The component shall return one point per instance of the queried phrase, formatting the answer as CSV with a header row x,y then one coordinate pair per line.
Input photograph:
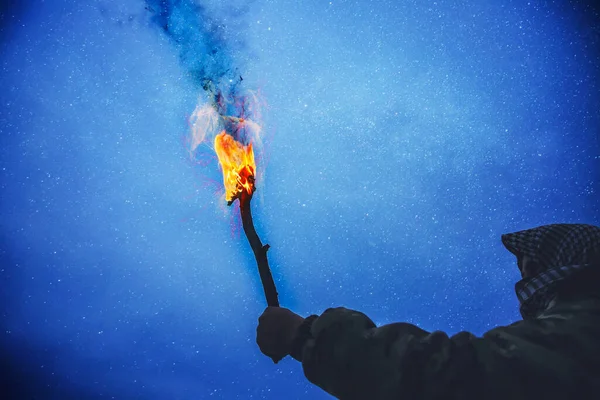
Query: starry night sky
x,y
402,138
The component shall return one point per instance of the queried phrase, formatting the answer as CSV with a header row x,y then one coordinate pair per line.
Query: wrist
x,y
301,336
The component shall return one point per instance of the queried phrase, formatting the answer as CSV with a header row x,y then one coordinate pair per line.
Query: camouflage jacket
x,y
554,355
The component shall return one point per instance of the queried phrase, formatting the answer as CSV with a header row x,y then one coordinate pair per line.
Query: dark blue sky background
x,y
402,138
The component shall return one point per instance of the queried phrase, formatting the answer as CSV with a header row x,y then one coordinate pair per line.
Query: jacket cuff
x,y
302,335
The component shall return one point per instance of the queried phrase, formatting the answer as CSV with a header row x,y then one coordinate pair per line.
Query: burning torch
x,y
239,175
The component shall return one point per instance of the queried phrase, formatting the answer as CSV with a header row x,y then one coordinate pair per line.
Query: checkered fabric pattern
x,y
554,245
535,293
561,249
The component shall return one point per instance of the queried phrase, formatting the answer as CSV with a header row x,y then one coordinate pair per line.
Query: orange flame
x,y
237,163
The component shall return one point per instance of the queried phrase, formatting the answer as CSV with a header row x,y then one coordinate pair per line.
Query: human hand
x,y
275,333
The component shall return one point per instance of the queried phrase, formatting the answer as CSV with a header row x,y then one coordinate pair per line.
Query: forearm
x,y
347,356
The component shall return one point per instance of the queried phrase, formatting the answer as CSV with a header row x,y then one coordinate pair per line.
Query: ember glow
x,y
237,164
232,124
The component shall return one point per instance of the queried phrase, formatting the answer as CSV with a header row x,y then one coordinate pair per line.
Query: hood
x,y
555,245
558,250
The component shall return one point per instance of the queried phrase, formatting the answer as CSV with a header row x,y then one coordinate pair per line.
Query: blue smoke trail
x,y
203,48
207,52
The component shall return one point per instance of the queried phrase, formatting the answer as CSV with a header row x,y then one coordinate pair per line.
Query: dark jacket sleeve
x,y
351,358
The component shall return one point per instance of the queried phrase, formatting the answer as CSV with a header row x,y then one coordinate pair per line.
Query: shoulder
x,y
566,334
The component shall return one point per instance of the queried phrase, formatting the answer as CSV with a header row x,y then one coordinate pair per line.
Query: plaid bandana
x,y
535,294
561,250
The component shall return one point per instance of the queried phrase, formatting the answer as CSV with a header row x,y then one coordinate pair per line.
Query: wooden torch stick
x,y
260,250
